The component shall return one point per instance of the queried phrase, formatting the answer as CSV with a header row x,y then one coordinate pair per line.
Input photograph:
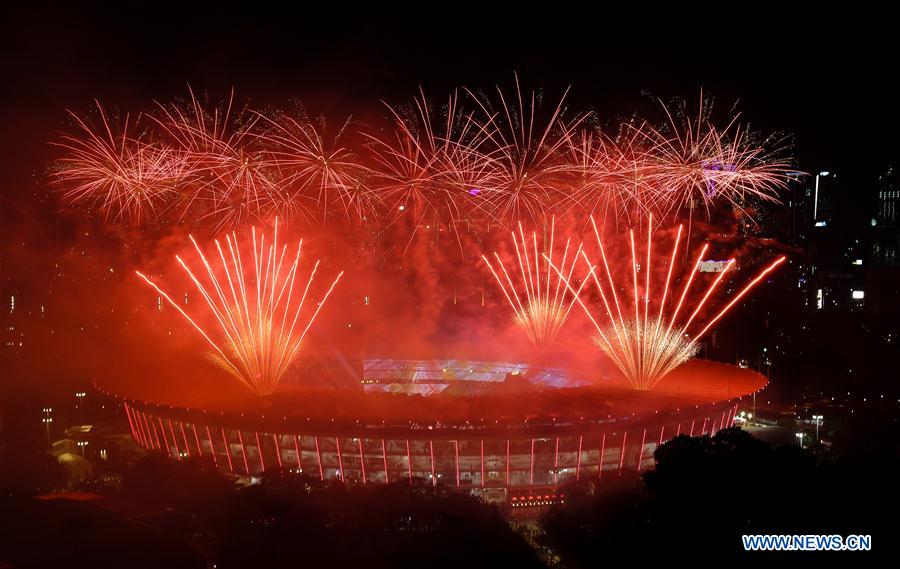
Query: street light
x,y
800,436
818,420
47,419
82,444
79,402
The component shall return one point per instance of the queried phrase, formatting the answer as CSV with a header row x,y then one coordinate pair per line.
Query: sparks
x,y
491,161
645,346
527,152
313,169
540,299
125,178
257,307
694,161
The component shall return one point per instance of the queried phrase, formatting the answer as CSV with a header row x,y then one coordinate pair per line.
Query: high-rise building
x,y
888,197
824,197
886,231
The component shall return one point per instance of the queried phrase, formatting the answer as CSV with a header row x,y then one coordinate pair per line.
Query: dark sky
x,y
827,81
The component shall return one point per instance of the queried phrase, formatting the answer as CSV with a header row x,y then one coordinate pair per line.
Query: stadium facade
x,y
501,431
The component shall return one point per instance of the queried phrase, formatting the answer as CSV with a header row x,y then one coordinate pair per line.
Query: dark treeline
x,y
707,492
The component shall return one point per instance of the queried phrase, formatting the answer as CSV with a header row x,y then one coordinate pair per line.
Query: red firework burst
x,y
646,345
126,179
258,306
539,296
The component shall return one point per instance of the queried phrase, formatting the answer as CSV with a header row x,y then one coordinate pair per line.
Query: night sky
x,y
809,77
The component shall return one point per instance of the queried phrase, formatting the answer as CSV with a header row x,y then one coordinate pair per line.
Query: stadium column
x,y
456,451
174,440
532,463
556,463
387,476
165,438
145,433
507,463
212,446
277,450
259,450
409,461
641,450
433,475
197,440
151,435
578,463
602,452
340,457
622,457
159,445
227,450
297,451
362,461
244,452
319,460
131,424
187,447
482,462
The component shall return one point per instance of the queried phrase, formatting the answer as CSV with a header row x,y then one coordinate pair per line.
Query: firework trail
x,y
646,345
314,168
431,166
693,161
230,184
540,299
257,304
125,178
528,155
606,179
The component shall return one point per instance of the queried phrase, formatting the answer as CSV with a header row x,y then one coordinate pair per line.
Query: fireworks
x,y
646,345
490,161
228,183
540,300
528,155
431,167
315,170
126,179
258,305
695,161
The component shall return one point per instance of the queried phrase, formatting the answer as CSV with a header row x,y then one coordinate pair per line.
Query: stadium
x,y
504,431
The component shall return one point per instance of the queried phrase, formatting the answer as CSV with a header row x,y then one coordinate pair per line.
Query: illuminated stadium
x,y
502,430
